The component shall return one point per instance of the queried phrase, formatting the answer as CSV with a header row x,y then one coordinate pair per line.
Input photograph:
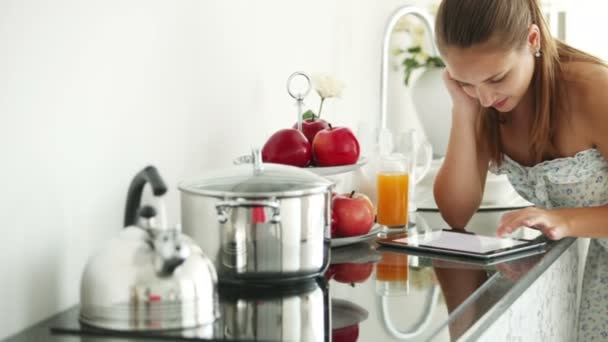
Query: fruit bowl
x,y
335,170
321,171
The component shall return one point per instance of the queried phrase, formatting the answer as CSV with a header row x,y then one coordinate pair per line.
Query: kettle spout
x,y
170,252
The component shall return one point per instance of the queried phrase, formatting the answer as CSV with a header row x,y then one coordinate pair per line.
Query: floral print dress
x,y
578,181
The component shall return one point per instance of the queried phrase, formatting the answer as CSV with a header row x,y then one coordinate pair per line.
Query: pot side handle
x,y
147,175
224,207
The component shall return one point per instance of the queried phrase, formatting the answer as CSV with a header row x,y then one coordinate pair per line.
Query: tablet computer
x,y
459,243
464,260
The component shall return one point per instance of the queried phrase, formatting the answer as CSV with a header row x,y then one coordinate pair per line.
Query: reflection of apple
x,y
352,272
346,334
287,146
329,273
334,146
352,214
311,126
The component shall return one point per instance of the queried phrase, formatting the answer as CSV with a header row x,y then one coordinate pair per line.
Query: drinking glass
x,y
392,187
404,159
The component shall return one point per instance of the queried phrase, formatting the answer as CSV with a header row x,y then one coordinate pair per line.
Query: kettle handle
x,y
147,175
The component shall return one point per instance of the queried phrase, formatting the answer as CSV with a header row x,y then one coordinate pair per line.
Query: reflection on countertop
x,y
367,293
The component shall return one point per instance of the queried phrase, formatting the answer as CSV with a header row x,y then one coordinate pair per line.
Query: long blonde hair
x,y
465,23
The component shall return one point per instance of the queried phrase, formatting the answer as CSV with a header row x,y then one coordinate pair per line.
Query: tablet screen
x,y
460,241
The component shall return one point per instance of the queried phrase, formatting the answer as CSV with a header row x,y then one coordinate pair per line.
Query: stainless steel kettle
x,y
149,277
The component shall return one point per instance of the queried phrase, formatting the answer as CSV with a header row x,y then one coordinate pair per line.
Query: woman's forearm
x,y
458,187
586,222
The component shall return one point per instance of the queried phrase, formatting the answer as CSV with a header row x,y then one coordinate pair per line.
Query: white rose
x,y
404,24
418,35
327,86
421,57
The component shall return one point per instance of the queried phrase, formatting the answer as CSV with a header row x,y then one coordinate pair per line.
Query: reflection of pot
x,y
293,313
265,222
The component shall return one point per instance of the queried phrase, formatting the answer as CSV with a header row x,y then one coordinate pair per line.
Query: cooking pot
x,y
148,277
260,222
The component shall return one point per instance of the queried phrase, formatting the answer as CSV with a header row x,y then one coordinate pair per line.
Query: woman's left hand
x,y
552,223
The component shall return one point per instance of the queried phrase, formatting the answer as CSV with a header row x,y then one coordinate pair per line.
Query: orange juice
x,y
392,267
392,198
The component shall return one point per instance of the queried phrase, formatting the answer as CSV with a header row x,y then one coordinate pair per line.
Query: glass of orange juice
x,y
392,187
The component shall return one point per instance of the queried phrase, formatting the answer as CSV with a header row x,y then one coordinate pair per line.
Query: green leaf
x,y
309,114
410,63
415,49
408,73
435,62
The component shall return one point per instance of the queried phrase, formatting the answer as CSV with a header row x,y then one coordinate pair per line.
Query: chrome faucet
x,y
394,18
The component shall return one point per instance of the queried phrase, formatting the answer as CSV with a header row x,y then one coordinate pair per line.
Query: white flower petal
x,y
327,86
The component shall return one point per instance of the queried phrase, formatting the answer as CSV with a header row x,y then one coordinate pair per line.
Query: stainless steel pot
x,y
260,222
148,277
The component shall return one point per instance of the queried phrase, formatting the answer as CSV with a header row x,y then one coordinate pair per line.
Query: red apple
x,y
329,273
334,146
350,273
352,214
346,334
311,126
287,146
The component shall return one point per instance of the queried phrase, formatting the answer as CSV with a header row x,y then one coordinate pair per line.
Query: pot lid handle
x,y
258,164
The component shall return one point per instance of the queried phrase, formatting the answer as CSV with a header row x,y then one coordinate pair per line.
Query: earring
x,y
537,54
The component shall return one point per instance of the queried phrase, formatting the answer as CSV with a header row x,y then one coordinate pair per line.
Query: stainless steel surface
x,y
257,180
267,222
239,247
148,277
223,208
384,63
139,282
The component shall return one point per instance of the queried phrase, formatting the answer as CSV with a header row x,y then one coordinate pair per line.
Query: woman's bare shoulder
x,y
584,74
586,85
587,91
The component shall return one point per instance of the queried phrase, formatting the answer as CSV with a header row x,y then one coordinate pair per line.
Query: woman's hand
x,y
552,223
462,103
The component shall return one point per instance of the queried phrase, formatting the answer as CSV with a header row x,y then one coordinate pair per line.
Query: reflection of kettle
x,y
274,313
149,277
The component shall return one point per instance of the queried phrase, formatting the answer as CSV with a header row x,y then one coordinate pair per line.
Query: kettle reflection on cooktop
x,y
289,312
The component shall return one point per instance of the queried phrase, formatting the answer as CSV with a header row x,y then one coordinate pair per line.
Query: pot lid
x,y
257,179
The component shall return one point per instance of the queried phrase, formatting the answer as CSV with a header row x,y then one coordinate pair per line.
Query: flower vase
x,y
433,106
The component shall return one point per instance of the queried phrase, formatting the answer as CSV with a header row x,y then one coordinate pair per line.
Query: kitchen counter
x,y
386,294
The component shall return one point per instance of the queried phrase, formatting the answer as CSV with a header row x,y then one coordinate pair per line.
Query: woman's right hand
x,y
462,103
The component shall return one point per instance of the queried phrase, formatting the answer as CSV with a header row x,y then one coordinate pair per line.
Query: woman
x,y
534,108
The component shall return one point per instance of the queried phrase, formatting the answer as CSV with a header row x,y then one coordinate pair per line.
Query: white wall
x,y
584,19
92,91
